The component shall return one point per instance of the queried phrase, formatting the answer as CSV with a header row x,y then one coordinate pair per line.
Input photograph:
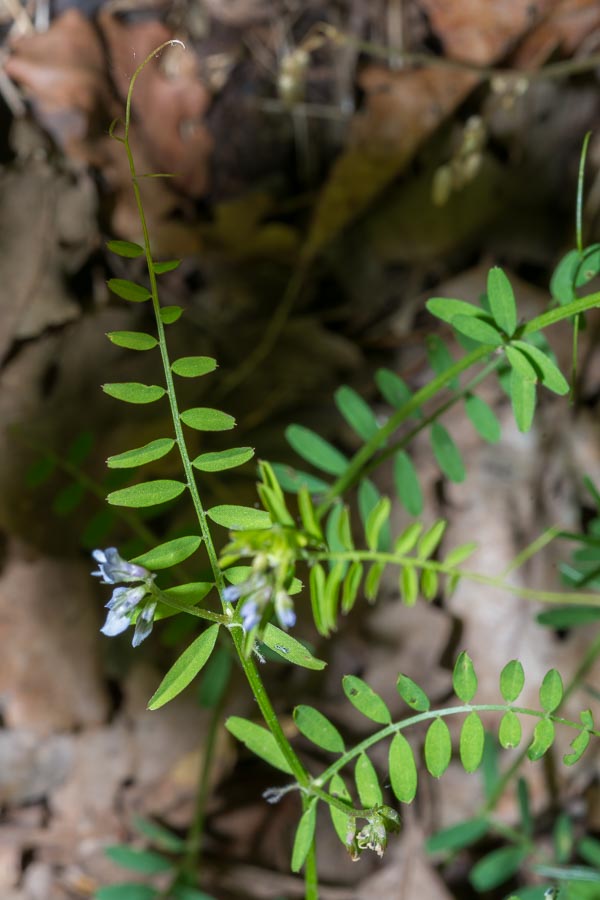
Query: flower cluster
x,y
112,568
262,589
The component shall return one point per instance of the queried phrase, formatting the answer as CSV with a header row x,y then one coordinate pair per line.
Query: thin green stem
x,y
592,599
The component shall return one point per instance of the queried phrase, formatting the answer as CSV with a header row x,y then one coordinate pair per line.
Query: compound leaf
x,y
149,493
185,669
171,553
205,419
317,728
366,700
194,366
438,748
259,741
134,392
402,768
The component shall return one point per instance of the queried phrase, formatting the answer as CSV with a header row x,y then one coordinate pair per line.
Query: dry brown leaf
x,y
570,24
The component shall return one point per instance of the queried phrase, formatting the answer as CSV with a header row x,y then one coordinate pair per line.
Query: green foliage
x,y
185,669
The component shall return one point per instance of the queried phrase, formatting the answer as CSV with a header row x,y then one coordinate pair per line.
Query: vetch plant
x,y
258,556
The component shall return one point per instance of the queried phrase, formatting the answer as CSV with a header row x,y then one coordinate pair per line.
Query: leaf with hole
x,y
367,782
259,741
512,680
134,392
316,450
543,738
221,460
551,691
193,366
304,837
464,679
357,412
141,455
239,518
472,736
129,290
125,248
366,700
149,493
483,419
509,732
447,453
171,553
412,694
402,769
205,419
407,484
132,340
290,649
185,669
318,729
438,748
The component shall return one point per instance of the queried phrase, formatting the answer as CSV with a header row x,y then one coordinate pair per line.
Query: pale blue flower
x,y
112,568
255,594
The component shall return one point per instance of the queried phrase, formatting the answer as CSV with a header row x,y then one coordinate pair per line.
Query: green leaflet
x,y
128,290
147,861
259,741
193,366
458,555
160,268
562,283
316,450
357,412
512,680
368,499
472,737
367,782
407,484
350,586
149,493
509,732
185,669
521,363
190,594
407,541
502,300
568,616
372,581
438,748
429,541
304,837
160,836
523,397
170,314
549,373
409,585
551,691
317,728
464,679
412,694
483,418
132,340
343,824
439,357
366,700
402,769
125,248
205,419
543,738
393,388
290,649
447,453
497,867
223,459
480,330
171,553
134,392
377,518
239,518
429,584
447,309
457,836
578,747
148,453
